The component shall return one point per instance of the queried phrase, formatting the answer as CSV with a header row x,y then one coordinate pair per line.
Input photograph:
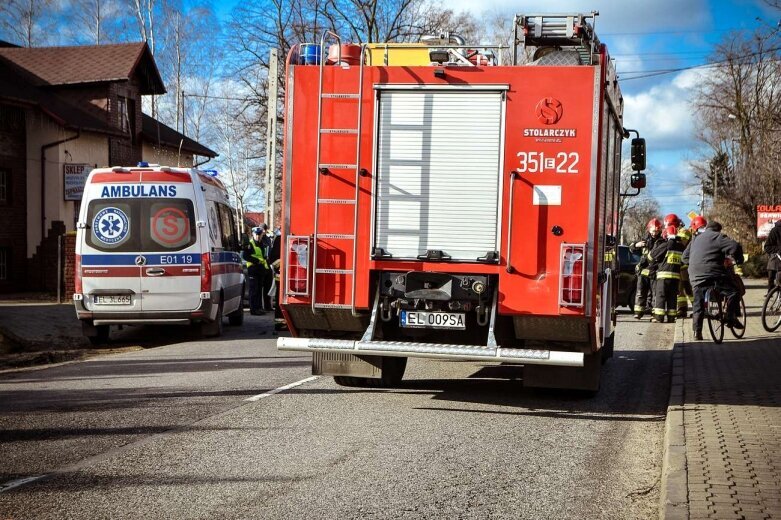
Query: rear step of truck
x,y
433,350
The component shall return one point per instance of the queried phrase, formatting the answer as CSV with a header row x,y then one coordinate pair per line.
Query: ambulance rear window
x,y
143,225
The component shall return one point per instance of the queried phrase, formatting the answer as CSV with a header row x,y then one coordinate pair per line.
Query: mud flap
x,y
586,377
338,364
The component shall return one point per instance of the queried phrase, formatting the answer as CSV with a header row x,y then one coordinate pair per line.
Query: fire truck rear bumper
x,y
430,350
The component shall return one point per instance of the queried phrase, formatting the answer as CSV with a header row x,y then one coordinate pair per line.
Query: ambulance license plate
x,y
112,299
433,320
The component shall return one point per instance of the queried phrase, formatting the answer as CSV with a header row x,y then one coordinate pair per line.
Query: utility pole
x,y
271,139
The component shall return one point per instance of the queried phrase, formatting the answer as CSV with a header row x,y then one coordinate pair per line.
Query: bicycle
x,y
771,308
716,314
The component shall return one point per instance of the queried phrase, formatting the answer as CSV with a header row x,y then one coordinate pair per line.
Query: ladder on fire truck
x,y
323,168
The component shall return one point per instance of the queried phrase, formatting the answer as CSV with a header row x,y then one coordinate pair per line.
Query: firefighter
x,y
256,271
644,274
266,240
666,255
684,287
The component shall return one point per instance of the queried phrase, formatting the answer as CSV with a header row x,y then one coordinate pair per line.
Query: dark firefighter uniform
x,y
666,256
645,274
685,293
256,271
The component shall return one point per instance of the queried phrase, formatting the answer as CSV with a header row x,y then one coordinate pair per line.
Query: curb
x,y
674,497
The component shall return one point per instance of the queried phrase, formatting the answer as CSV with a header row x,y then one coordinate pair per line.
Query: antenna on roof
x,y
179,155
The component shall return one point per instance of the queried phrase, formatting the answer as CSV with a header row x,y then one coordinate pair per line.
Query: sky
x,y
644,36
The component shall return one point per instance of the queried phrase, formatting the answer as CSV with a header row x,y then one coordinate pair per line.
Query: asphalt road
x,y
168,432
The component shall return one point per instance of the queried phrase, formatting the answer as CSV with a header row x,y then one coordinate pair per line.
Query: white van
x,y
156,245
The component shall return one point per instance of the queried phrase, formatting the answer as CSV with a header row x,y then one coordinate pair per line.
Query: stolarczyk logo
x,y
549,110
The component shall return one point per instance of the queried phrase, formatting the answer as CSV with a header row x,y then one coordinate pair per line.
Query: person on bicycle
x,y
666,256
644,272
773,249
706,258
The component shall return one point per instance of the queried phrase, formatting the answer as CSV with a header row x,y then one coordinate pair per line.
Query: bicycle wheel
x,y
771,310
715,319
740,318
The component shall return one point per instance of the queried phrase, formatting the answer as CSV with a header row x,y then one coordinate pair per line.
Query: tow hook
x,y
385,310
482,315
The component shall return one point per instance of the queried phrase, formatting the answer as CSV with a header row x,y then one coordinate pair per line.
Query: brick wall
x,y
42,267
69,249
13,211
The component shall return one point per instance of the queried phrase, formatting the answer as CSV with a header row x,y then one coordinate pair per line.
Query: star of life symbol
x,y
111,225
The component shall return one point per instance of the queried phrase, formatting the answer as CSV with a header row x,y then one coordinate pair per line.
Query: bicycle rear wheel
x,y
715,319
740,318
771,310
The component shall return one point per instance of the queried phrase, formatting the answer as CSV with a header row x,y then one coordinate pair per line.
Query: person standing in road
x,y
268,277
256,271
773,249
706,257
685,293
644,274
667,257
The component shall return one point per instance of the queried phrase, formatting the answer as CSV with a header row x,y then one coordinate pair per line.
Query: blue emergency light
x,y
143,164
211,173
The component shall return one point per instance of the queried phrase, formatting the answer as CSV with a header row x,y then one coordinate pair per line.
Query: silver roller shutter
x,y
438,172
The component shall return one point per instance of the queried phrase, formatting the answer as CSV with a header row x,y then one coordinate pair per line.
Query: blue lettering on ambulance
x,y
138,190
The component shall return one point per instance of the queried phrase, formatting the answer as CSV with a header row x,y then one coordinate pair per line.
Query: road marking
x,y
280,389
19,482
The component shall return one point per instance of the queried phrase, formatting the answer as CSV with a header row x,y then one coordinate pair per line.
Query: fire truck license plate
x,y
432,320
112,299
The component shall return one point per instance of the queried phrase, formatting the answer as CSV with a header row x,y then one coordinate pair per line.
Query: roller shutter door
x,y
438,173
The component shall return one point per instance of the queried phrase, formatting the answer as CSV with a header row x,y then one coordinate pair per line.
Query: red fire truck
x,y
438,204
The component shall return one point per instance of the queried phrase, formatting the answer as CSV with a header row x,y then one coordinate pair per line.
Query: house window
x,y
124,120
5,192
4,263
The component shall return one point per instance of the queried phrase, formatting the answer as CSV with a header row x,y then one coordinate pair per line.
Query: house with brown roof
x,y
64,111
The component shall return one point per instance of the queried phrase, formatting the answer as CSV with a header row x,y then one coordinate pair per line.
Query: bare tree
x,y
28,22
96,21
634,212
739,108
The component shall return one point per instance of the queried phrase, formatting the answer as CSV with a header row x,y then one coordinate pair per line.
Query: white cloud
x,y
664,113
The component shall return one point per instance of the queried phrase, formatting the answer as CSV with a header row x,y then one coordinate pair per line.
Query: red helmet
x,y
672,220
670,232
654,225
698,222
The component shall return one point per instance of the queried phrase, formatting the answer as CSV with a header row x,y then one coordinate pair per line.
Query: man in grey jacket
x,y
705,257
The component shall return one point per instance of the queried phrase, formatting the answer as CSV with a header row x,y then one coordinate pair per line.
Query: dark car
x,y
627,278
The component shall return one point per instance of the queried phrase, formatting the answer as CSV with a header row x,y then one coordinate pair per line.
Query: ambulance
x,y
156,245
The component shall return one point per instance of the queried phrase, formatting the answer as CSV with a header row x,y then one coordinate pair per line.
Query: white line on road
x,y
281,389
19,482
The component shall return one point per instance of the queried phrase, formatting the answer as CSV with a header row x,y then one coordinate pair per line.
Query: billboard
x,y
767,216
75,177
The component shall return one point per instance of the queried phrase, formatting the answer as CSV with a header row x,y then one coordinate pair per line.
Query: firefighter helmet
x,y
698,222
654,226
672,220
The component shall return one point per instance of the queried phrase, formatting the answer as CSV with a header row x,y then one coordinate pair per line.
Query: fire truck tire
x,y
213,329
392,373
607,349
585,379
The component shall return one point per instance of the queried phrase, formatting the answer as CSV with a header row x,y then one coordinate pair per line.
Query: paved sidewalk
x,y
723,431
38,325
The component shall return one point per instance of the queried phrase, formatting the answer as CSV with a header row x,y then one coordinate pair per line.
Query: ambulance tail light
x,y
206,276
78,288
297,272
571,293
